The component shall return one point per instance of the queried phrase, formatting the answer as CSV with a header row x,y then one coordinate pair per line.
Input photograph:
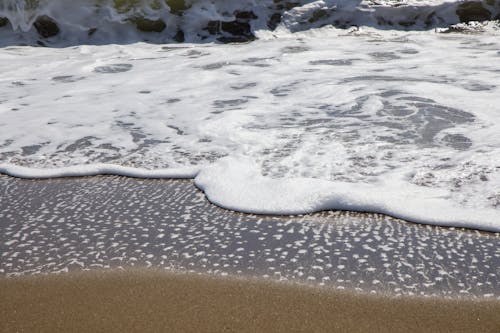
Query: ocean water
x,y
274,107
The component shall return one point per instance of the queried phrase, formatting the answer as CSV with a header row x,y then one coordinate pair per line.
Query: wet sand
x,y
107,222
155,255
140,300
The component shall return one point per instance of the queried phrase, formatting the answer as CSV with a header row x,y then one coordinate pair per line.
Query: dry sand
x,y
140,301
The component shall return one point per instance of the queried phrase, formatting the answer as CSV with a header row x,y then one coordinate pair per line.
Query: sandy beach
x,y
107,222
140,301
155,255
249,166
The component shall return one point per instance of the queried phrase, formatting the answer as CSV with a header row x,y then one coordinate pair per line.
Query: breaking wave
x,y
56,22
345,117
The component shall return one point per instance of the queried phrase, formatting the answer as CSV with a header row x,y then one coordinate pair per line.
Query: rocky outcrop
x,y
279,7
473,11
146,25
3,21
177,6
46,27
235,31
179,36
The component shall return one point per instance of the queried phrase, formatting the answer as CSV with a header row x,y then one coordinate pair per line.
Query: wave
x,y
52,22
234,184
405,126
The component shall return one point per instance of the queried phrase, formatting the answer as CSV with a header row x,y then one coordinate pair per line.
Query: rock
x,y
3,21
278,8
237,31
236,28
318,15
249,15
146,25
284,5
236,39
473,11
179,36
407,24
274,21
213,27
177,6
46,26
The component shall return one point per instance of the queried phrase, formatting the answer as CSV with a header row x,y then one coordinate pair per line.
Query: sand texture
x,y
107,222
150,301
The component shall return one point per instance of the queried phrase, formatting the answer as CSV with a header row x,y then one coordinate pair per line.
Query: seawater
x,y
62,22
389,108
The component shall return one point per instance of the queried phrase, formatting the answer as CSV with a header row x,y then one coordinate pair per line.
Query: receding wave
x,y
406,124
105,21
358,114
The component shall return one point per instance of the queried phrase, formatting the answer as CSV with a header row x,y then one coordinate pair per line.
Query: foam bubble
x,y
94,170
236,184
401,123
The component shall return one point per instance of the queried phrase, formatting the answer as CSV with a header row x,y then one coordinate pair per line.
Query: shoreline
x,y
154,255
110,222
169,175
191,174
139,300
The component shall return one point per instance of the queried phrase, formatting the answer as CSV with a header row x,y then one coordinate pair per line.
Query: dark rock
x,y
179,36
213,27
146,25
274,21
3,21
235,28
177,6
406,24
473,11
46,26
285,5
91,31
246,15
236,39
318,15
237,31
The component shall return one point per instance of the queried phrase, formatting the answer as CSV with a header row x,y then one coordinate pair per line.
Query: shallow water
x,y
110,222
385,107
61,22
405,124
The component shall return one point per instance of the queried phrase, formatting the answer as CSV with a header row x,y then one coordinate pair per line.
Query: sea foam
x,y
300,120
237,185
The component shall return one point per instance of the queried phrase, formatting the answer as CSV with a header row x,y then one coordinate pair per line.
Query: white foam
x,y
237,185
94,170
391,122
